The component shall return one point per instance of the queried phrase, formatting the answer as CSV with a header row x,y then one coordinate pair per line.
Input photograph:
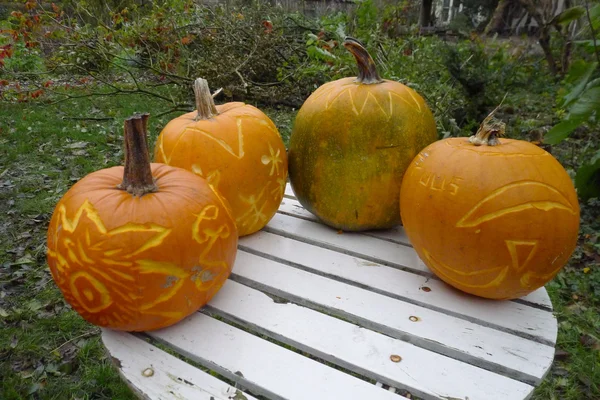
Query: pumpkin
x,y
237,148
352,141
497,219
142,246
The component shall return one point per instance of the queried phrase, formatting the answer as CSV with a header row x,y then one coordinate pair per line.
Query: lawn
x,y
48,142
47,351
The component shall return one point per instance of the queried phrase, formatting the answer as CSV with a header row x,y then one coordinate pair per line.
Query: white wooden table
x,y
312,314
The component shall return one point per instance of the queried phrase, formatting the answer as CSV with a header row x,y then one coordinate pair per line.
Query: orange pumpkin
x,y
352,141
494,219
140,247
237,148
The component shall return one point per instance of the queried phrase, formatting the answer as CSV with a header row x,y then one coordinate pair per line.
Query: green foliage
x,y
473,8
23,59
569,15
580,103
461,23
116,60
587,179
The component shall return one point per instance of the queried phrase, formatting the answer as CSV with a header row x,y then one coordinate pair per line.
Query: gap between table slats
x,y
421,372
355,244
261,366
527,322
481,346
166,376
293,209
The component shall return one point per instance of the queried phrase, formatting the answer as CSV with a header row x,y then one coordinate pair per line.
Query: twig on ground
x,y
587,9
88,118
83,335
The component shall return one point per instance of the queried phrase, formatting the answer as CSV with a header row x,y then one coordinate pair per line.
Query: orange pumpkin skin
x,y
353,138
239,151
140,263
494,221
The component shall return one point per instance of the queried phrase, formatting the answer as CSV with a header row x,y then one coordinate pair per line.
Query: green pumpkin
x,y
352,141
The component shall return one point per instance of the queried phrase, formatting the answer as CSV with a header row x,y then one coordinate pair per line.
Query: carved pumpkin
x,y
140,247
352,141
494,219
237,148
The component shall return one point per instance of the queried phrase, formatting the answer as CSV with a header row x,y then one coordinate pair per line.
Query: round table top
x,y
312,314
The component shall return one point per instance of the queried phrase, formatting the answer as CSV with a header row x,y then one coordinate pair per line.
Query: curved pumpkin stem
x,y
204,100
490,130
367,70
137,175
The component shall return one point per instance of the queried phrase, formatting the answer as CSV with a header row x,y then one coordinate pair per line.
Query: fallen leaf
x,y
52,369
560,372
34,388
24,260
26,374
585,380
562,382
77,145
14,342
590,341
561,354
67,367
24,235
34,305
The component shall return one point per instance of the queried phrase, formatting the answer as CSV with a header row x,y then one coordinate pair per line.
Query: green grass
x,y
48,352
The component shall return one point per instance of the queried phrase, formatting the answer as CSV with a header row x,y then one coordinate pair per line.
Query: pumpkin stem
x,y
137,175
204,100
490,130
367,71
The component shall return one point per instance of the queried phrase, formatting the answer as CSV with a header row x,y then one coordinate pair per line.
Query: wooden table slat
x,y
290,206
423,373
353,243
495,350
350,301
293,208
509,316
261,366
165,377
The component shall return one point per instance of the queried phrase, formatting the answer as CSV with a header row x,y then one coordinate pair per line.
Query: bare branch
x,y
587,9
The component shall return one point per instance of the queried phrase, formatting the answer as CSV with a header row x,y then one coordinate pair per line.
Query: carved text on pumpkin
x,y
209,236
254,215
440,184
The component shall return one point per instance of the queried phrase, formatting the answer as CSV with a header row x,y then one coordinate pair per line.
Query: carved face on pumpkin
x,y
495,221
140,263
237,148
352,141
